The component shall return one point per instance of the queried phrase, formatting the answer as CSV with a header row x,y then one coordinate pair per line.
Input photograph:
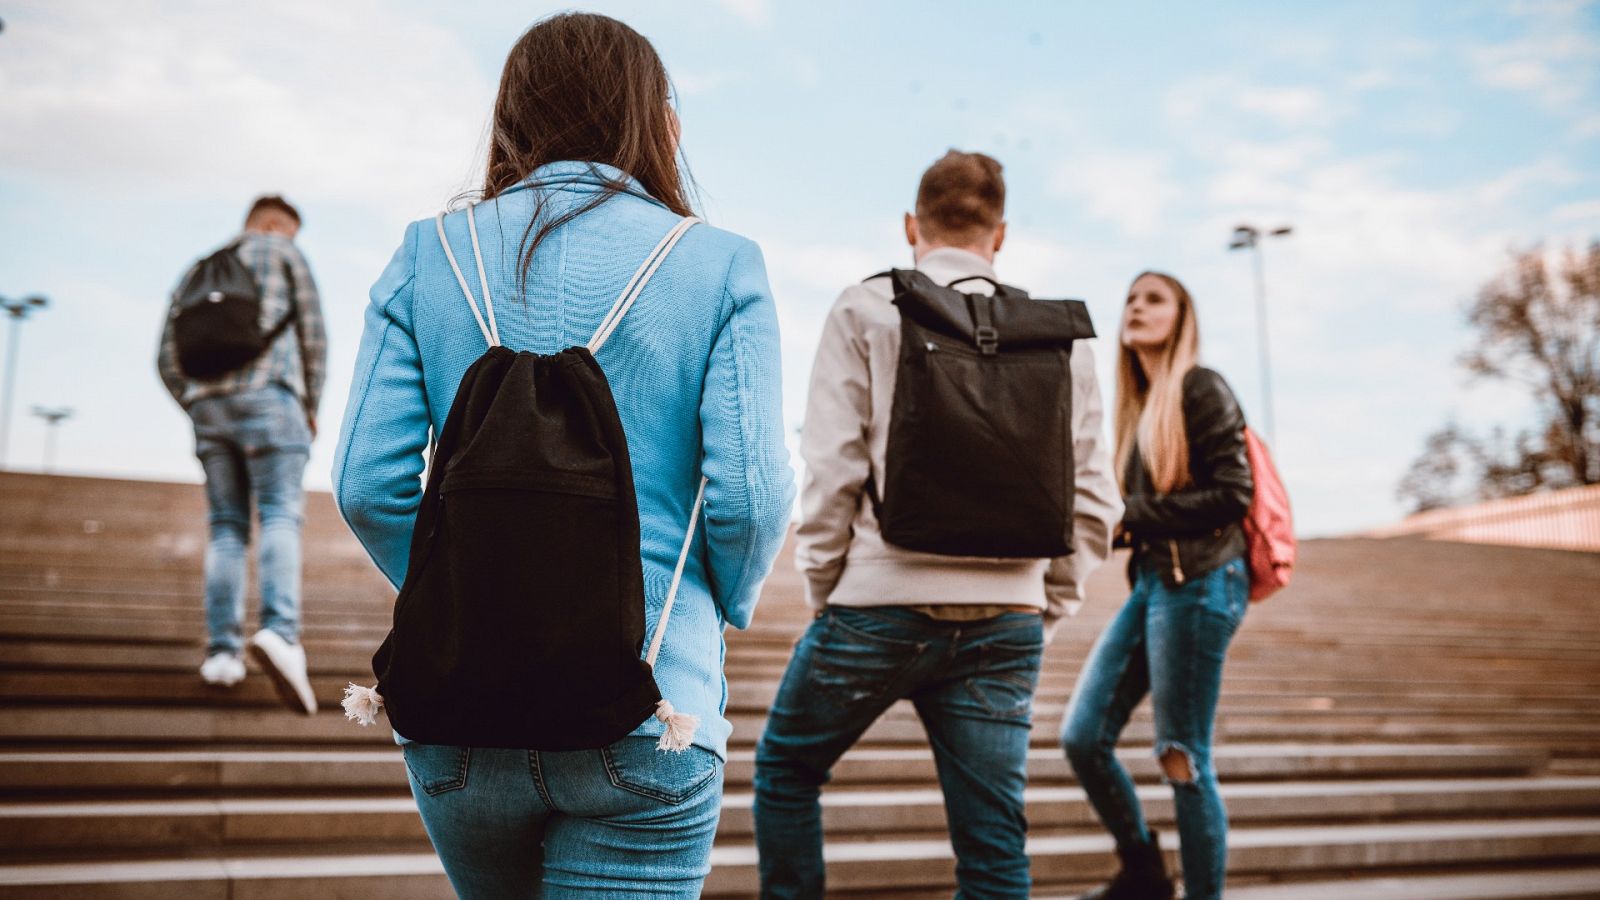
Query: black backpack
x,y
980,453
217,320
522,617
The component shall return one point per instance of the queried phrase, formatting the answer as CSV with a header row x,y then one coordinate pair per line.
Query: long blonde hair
x,y
1150,404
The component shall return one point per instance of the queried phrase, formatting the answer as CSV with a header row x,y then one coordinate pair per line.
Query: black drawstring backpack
x,y
521,620
979,460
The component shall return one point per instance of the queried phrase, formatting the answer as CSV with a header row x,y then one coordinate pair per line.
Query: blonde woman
x,y
1186,484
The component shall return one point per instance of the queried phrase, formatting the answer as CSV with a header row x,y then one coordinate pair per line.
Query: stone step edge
x,y
358,753
743,857
743,799
1523,884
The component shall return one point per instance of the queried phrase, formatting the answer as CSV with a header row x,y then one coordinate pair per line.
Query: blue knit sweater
x,y
694,368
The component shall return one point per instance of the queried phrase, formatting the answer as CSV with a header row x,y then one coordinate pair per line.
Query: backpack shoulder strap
x,y
486,320
272,335
636,284
677,576
679,727
491,331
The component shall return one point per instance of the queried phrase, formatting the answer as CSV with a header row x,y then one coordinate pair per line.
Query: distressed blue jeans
x,y
1169,642
624,821
972,684
252,444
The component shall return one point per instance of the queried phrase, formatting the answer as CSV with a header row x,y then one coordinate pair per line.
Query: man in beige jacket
x,y
961,637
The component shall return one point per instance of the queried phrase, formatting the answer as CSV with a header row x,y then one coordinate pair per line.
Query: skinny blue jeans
x,y
624,821
252,444
1169,642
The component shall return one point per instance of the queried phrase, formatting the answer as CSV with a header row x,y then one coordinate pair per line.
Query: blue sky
x,y
1410,145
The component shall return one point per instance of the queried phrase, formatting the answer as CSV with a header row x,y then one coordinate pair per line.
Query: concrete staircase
x,y
1410,720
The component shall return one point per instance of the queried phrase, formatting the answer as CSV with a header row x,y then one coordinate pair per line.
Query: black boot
x,y
1143,875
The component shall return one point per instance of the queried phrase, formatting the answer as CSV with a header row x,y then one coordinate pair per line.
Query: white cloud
x,y
1580,211
1362,218
345,101
755,12
1132,190
1286,105
1556,59
1203,100
1371,79
1274,158
689,82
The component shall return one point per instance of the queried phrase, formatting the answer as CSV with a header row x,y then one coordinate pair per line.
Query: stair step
x,y
258,719
854,866
181,684
922,809
126,824
868,865
194,770
393,876
1534,884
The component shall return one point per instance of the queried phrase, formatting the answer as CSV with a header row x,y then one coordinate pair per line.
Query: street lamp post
x,y
1248,237
18,310
53,416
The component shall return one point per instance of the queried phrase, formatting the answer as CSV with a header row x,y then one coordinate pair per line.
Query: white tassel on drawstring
x,y
680,727
361,704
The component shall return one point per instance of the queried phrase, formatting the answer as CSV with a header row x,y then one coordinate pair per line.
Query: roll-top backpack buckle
x,y
988,339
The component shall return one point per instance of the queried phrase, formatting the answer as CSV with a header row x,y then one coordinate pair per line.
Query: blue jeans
x,y
972,684
253,443
623,821
1170,643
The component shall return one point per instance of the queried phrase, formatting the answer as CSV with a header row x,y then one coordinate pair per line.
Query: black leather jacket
x,y
1191,531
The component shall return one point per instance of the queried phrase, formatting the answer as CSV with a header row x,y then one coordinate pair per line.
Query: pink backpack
x,y
1268,526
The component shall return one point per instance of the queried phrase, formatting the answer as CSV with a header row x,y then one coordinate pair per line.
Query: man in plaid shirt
x,y
253,429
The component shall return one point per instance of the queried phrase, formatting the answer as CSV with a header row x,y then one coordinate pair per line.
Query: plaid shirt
x,y
297,359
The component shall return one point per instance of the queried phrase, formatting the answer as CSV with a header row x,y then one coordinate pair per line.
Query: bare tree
x,y
1433,481
1538,326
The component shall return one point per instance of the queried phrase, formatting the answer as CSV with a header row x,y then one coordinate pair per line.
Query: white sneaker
x,y
222,669
286,664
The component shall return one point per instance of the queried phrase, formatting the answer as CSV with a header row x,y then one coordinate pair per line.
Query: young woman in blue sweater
x,y
583,179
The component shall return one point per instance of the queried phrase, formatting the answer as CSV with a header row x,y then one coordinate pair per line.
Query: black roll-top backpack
x,y
980,456
217,320
521,621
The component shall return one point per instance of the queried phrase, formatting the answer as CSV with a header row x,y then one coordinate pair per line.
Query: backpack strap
x,y
491,331
271,337
490,328
678,728
636,284
677,577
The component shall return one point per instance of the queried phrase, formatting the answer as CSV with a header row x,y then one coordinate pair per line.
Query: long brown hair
x,y
1150,404
585,87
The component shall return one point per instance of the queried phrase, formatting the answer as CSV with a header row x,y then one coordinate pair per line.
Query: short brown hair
x,y
272,202
962,197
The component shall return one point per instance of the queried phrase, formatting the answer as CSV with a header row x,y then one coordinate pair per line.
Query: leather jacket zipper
x,y
1177,567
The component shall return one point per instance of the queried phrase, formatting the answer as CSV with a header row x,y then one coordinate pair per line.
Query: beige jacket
x,y
838,546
